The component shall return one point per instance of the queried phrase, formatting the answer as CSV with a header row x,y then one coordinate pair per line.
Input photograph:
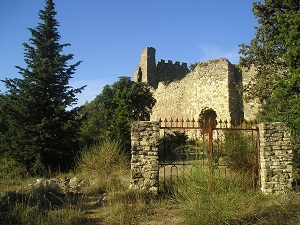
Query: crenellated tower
x,y
152,73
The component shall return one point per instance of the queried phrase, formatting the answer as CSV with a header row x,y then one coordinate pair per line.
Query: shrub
x,y
9,168
172,146
105,162
238,150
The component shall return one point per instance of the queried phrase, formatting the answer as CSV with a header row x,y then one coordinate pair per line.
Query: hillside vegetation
x,y
104,198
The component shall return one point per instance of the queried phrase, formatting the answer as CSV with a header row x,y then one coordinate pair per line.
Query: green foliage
x,y
39,127
105,158
274,52
105,162
283,104
10,169
112,112
23,208
237,150
172,146
192,66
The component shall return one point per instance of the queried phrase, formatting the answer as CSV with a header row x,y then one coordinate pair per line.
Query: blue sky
x,y
109,35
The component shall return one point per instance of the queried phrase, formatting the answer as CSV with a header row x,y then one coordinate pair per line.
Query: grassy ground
x,y
107,200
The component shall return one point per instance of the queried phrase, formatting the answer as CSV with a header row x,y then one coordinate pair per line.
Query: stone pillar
x,y
144,156
276,157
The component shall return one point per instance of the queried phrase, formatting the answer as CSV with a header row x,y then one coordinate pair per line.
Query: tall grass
x,y
104,158
204,199
207,200
25,208
198,198
127,208
102,166
106,164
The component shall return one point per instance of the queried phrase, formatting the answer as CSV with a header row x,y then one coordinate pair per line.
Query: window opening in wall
x,y
139,75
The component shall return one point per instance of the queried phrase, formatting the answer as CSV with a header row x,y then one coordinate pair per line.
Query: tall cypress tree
x,y
41,123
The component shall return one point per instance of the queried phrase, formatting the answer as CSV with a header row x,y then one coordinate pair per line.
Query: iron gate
x,y
225,149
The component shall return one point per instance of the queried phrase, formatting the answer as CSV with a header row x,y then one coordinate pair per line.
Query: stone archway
x,y
208,117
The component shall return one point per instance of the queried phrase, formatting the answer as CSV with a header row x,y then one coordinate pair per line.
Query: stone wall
x,y
144,156
169,71
251,106
211,85
276,157
215,84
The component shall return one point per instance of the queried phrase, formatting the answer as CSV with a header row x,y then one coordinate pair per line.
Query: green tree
x,y
114,109
192,66
41,123
275,53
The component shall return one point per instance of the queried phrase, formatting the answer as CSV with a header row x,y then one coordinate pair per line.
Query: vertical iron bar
x,y
253,161
164,151
258,157
210,147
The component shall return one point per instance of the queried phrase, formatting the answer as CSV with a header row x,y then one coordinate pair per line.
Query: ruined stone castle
x,y
214,89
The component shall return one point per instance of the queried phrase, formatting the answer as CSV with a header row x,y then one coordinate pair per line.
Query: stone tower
x,y
152,73
147,67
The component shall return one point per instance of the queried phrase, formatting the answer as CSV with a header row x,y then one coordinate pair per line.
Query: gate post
x,y
144,156
276,157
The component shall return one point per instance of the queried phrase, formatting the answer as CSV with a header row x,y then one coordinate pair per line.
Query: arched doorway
x,y
208,117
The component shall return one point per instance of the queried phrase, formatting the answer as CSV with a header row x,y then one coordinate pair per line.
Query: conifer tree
x,y
41,123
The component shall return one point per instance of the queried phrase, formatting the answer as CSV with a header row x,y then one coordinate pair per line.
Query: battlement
x,y
152,73
170,62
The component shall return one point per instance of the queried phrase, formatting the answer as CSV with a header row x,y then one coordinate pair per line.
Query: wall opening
x,y
139,75
208,117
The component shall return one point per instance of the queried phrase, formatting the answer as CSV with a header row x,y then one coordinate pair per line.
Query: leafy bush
x,y
9,168
111,113
237,150
192,66
171,147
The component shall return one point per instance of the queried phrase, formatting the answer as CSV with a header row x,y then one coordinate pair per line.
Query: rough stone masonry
x,y
144,156
276,157
213,85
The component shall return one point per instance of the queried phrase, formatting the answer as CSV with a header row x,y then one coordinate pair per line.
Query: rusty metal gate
x,y
225,149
